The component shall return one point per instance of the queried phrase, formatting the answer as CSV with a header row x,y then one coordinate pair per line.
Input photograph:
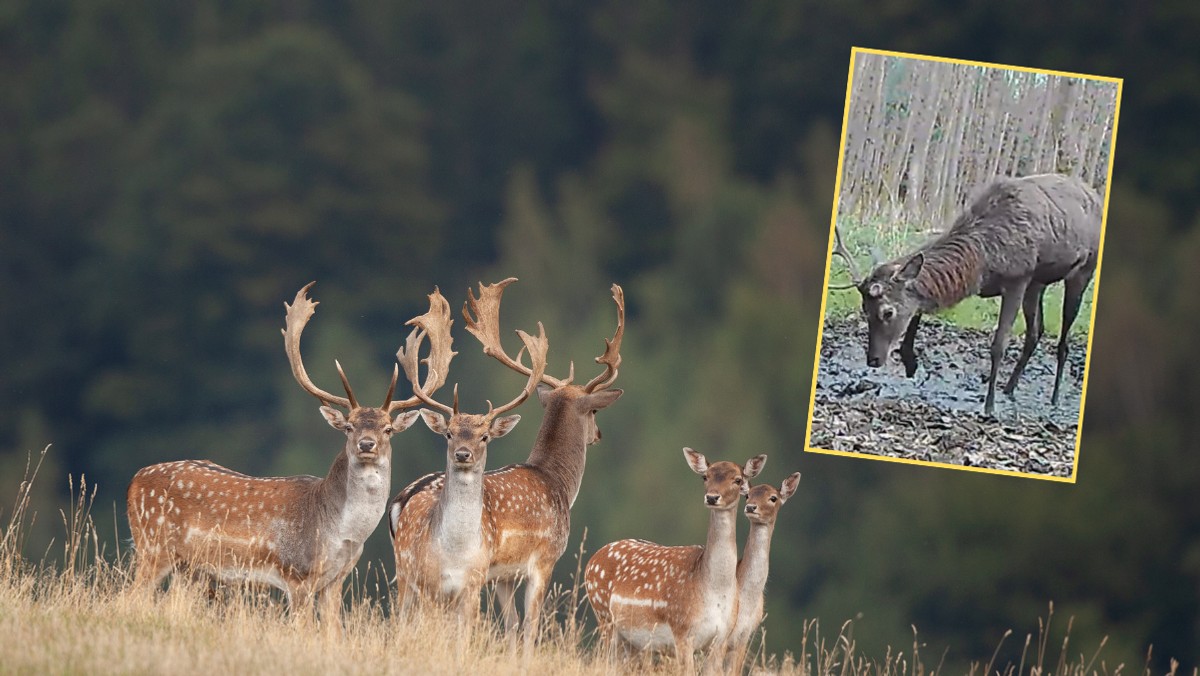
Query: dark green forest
x,y
172,172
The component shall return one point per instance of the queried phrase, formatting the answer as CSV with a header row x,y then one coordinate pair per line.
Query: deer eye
x,y
774,499
738,481
449,436
485,438
388,430
887,312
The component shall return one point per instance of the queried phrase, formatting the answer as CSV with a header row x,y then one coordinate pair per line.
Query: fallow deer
x,y
442,538
1016,237
762,508
652,596
299,534
530,503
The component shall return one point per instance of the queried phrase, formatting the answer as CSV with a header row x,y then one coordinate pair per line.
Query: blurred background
x,y
170,173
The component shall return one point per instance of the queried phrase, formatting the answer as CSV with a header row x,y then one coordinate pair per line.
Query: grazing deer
x,y
529,504
299,534
1018,236
762,507
652,596
442,541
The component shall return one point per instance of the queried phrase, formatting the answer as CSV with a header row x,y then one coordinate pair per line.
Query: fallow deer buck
x,y
442,541
1015,238
529,504
762,508
652,596
299,534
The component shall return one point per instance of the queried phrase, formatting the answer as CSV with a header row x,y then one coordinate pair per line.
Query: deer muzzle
x,y
712,499
462,456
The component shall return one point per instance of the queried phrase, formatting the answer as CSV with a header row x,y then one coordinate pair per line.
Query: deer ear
x,y
603,399
788,489
754,465
405,420
911,269
335,418
502,426
434,421
696,460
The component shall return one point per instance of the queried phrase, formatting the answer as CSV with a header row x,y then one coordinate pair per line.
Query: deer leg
x,y
1032,305
507,590
908,354
684,651
535,592
1072,297
1008,313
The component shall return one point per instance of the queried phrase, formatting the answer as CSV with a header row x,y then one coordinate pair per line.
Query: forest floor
x,y
937,415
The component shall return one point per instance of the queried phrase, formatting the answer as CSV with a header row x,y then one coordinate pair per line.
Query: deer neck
x,y
752,569
353,497
458,515
561,449
718,567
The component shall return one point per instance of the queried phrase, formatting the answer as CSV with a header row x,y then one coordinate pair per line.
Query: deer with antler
x,y
762,508
654,597
529,504
442,541
1016,237
299,534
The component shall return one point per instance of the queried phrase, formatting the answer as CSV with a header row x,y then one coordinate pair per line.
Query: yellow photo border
x,y
837,189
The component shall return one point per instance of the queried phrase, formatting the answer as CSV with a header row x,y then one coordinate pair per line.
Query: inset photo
x,y
965,249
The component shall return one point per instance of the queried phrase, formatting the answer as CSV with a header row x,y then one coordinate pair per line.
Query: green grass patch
x,y
890,239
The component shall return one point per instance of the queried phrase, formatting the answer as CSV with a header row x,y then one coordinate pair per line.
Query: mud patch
x,y
937,415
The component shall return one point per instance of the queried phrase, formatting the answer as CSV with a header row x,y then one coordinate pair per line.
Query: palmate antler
x,y
485,326
435,325
298,314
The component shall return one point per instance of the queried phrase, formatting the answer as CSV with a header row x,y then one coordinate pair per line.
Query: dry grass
x,y
77,615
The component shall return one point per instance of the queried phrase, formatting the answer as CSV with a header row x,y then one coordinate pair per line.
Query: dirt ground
x,y
937,415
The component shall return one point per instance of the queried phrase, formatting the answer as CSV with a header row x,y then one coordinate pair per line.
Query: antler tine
x,y
346,384
298,314
485,326
434,324
839,249
538,348
612,348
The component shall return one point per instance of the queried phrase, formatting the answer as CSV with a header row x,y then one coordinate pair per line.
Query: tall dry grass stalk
x,y
78,614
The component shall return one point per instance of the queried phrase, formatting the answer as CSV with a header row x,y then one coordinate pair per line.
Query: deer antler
x,y
434,324
839,249
612,348
485,326
298,314
537,353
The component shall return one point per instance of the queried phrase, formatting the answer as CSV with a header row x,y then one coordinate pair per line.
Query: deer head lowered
x,y
300,534
442,543
529,504
1018,236
653,596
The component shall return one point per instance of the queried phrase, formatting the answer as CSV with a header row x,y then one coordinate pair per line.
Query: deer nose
x,y
712,499
750,509
366,445
462,456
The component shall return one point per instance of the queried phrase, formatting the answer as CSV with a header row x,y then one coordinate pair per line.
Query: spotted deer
x,y
653,596
762,508
442,540
1018,236
529,504
299,534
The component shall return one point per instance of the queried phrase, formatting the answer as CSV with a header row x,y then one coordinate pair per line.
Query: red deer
x,y
299,534
442,541
530,503
1018,236
652,596
762,508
